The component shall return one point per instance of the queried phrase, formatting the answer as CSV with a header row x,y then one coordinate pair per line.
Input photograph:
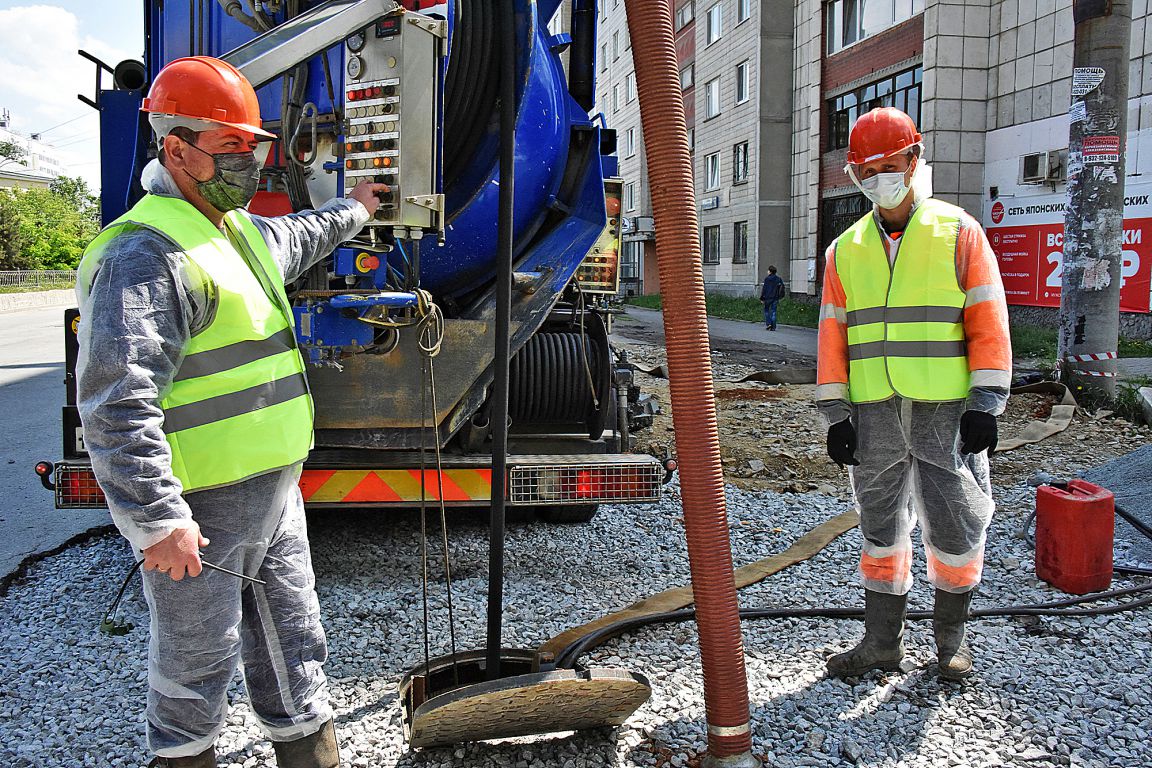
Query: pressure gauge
x,y
355,67
356,41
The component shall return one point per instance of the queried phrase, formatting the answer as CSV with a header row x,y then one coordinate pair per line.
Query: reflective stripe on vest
x,y
905,319
238,405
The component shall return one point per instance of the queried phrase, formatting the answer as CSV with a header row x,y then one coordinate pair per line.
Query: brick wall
x,y
903,41
858,65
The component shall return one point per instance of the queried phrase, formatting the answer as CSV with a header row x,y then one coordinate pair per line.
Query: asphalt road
x,y
31,395
731,341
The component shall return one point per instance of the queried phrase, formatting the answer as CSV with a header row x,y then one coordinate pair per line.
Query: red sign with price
x,y
1028,238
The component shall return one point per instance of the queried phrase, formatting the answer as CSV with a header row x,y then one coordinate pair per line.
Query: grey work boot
x,y
206,759
953,656
883,643
316,751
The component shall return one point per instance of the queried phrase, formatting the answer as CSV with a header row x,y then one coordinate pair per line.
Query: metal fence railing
x,y
37,278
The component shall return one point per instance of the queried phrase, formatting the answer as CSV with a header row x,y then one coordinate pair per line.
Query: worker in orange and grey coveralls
x,y
914,365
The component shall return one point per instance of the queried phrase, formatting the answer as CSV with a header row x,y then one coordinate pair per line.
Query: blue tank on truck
x,y
365,318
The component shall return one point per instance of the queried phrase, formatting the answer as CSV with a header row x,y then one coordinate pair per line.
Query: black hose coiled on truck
x,y
548,381
471,88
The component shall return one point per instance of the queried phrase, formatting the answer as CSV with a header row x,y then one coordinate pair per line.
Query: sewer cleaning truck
x,y
399,325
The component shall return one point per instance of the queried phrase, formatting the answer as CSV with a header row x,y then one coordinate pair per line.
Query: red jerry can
x,y
1074,528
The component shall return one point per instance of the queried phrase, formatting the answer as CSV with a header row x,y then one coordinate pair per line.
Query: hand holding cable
x,y
842,443
178,553
978,432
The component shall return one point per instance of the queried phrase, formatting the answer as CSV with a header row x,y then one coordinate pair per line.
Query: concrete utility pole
x,y
1094,217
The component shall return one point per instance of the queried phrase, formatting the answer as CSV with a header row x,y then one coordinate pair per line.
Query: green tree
x,y
11,153
75,190
11,256
46,228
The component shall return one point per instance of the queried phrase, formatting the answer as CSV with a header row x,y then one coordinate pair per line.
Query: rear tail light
x,y
76,488
585,483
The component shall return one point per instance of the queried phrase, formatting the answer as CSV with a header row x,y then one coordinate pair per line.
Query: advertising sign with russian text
x,y
1028,238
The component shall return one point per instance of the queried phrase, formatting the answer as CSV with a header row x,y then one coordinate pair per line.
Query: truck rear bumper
x,y
463,481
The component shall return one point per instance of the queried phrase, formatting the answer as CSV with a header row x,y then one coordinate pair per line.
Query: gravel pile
x,y
1047,692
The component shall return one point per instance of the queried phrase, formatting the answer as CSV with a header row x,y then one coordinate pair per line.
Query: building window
x,y
740,242
901,90
850,21
615,45
742,82
711,245
688,77
740,163
715,23
684,15
712,172
630,196
616,97
630,260
712,93
743,10
691,139
630,82
630,143
603,56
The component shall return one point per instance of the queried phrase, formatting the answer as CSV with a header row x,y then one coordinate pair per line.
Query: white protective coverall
x,y
138,317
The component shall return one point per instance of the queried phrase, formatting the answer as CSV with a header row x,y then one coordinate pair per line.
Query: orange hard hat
x,y
881,133
205,88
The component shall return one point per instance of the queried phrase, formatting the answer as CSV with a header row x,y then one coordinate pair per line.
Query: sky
x,y
41,73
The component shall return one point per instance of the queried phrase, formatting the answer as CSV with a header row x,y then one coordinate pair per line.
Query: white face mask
x,y
887,190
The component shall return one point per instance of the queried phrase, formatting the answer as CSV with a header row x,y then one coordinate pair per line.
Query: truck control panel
x,y
391,88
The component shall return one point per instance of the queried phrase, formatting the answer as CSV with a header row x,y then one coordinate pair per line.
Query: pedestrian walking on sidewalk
x,y
914,365
197,416
770,294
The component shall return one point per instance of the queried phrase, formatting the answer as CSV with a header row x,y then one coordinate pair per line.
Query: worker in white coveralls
x,y
197,416
914,365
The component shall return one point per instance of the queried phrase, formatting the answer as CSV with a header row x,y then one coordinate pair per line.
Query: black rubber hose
x,y
567,657
1134,521
471,87
504,244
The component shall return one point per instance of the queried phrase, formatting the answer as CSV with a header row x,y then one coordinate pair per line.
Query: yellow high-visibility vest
x,y
905,319
239,404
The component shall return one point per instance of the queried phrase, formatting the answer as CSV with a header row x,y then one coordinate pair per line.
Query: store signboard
x,y
1028,238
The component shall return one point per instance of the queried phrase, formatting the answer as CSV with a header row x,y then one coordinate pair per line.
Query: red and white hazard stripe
x,y
1091,358
1099,374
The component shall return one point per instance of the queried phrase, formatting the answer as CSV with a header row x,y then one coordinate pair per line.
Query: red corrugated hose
x,y
690,381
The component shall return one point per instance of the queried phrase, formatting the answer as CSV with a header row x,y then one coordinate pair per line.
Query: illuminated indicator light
x,y
377,91
350,165
378,162
584,484
387,162
349,147
351,95
366,146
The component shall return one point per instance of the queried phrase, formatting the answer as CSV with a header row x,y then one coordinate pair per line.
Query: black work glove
x,y
842,443
977,432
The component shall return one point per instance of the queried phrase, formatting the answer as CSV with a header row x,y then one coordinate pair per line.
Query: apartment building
x,y
772,90
990,82
739,127
36,167
619,102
